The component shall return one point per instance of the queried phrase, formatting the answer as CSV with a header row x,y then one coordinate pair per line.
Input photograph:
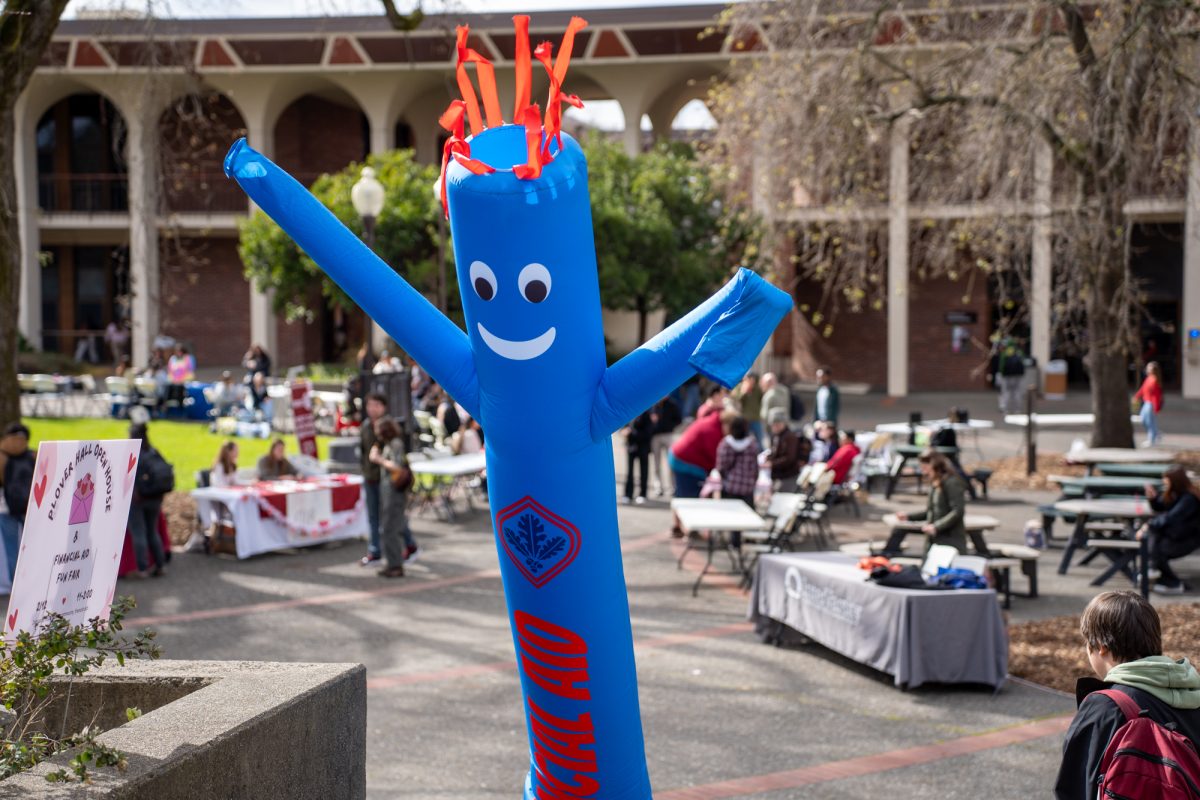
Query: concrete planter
x,y
216,729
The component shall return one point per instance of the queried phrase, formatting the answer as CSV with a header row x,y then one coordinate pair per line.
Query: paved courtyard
x,y
723,714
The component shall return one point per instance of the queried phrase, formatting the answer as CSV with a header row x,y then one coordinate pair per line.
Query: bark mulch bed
x,y
1009,473
1051,652
180,509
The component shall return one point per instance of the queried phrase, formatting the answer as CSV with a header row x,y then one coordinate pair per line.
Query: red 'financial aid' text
x,y
555,659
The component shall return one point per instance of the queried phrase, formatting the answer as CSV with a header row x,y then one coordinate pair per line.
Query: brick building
x,y
125,212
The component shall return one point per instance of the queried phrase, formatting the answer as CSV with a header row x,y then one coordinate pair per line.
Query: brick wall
x,y
932,363
205,300
314,136
855,350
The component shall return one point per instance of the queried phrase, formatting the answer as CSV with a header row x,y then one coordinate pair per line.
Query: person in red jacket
x,y
694,454
841,460
1151,396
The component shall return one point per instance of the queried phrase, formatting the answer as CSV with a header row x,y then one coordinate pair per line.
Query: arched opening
x,y
402,136
81,157
195,132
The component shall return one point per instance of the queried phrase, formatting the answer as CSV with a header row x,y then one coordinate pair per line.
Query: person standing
x,y
17,477
774,396
694,454
637,447
1151,395
181,368
154,478
666,417
396,538
714,403
1007,374
376,408
749,399
117,338
828,403
737,463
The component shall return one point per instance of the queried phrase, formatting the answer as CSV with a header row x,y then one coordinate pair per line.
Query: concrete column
x,y
898,294
29,304
1042,268
141,155
264,329
1190,313
381,142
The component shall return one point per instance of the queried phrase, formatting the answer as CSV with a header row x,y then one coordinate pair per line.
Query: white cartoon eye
x,y
534,283
483,279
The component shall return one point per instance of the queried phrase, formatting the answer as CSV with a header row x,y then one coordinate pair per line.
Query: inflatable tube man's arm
x,y
720,339
423,331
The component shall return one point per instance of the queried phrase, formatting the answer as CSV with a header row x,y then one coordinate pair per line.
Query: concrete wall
x,y
230,730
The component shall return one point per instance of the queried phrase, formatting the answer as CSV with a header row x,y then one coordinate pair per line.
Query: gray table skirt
x,y
916,636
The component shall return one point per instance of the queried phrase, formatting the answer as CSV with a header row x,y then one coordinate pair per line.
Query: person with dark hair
x,y
375,406
843,458
828,403
150,486
16,474
714,403
637,447
256,361
224,469
1123,637
275,465
666,418
694,454
737,462
181,368
945,509
1175,531
396,538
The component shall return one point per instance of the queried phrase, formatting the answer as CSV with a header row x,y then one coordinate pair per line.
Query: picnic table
x,y
713,518
1091,485
903,453
1057,420
976,524
1130,510
971,426
1152,470
1091,456
447,474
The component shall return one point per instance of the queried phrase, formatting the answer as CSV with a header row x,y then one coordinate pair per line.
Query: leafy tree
x,y
406,236
664,236
994,101
25,30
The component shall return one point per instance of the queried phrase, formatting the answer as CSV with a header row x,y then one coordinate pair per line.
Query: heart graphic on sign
x,y
132,462
39,490
12,620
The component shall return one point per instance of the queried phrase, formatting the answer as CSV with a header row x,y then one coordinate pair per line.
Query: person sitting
x,y
274,465
843,458
945,510
1123,636
1175,531
824,442
255,361
258,399
468,439
224,469
225,395
788,451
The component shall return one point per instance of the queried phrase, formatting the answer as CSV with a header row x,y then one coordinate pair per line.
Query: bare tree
x,y
25,30
993,97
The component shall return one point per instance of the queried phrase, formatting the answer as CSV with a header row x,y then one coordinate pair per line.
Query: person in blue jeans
x,y
19,461
375,407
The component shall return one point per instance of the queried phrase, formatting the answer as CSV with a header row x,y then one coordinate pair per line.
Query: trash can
x,y
1056,380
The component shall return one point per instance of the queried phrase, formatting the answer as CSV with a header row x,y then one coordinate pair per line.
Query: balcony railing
x,y
83,194
195,191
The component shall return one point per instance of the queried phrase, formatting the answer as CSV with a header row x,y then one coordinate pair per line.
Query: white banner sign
x,y
74,532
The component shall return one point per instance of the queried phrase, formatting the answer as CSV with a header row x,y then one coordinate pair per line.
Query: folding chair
x,y
813,514
784,508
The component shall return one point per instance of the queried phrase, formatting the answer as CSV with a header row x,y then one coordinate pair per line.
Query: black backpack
x,y
155,476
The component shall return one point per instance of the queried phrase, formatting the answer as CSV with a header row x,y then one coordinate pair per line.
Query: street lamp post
x,y
367,197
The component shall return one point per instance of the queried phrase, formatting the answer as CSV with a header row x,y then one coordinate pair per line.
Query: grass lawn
x,y
187,445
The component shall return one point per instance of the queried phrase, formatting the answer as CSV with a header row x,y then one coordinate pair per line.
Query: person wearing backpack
x,y
1111,751
17,463
155,477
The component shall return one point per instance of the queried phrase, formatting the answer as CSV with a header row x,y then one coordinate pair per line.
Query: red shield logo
x,y
540,543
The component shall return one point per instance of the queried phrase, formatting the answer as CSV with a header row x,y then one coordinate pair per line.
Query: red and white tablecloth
x,y
275,515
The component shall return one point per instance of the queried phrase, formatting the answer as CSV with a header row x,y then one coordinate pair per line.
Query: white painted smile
x,y
517,351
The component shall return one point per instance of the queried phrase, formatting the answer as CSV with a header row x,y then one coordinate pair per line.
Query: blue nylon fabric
x,y
531,368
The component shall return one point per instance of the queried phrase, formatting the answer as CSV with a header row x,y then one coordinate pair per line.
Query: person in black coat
x,y
637,444
1174,532
1123,635
16,475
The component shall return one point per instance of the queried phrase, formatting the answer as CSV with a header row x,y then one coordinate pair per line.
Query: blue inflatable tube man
x,y
531,368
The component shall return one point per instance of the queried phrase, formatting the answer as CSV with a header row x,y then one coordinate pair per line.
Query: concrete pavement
x,y
724,715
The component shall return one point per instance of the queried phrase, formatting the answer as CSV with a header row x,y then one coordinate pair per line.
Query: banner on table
x,y
302,416
74,531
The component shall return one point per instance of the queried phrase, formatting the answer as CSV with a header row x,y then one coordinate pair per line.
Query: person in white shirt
x,y
224,469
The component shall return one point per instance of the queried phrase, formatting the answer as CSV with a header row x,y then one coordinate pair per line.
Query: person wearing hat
x,y
788,451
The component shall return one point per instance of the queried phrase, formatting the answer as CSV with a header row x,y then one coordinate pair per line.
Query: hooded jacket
x,y
1167,689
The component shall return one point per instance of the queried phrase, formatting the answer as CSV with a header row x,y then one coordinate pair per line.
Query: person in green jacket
x,y
1123,636
828,402
945,510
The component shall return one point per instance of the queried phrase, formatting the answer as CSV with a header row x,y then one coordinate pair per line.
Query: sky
x,y
603,114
